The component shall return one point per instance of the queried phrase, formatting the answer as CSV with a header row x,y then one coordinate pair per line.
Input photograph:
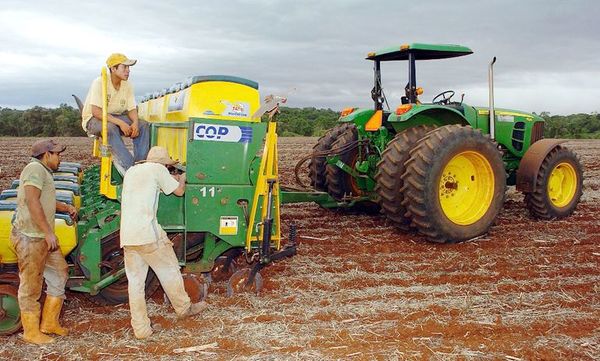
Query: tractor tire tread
x,y
337,179
317,165
538,202
421,190
390,183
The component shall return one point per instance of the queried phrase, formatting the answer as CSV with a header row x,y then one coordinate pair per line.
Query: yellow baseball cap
x,y
117,58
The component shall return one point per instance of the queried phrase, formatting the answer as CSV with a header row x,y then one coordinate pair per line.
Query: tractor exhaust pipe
x,y
492,124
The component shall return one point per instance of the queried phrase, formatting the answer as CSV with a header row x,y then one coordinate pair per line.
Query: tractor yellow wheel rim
x,y
562,184
466,188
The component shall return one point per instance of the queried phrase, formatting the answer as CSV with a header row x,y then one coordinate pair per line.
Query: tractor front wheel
x,y
318,164
340,183
454,184
559,185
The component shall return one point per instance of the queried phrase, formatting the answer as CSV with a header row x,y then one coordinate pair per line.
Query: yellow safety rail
x,y
106,187
267,171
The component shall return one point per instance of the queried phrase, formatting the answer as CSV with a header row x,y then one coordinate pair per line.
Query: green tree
x,y
572,126
11,122
305,121
41,122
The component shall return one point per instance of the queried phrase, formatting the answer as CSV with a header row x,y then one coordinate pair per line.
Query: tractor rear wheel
x,y
389,174
454,184
318,164
559,185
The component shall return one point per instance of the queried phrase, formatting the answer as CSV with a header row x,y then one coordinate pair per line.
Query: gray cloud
x,y
547,50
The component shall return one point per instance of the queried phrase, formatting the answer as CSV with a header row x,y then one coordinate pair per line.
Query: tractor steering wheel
x,y
444,99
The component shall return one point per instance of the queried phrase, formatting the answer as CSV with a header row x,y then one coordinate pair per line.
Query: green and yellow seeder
x,y
225,227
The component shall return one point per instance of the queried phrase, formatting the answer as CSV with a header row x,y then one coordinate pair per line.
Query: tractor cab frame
x,y
410,53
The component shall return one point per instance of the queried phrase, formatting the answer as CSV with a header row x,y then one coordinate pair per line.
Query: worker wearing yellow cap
x,y
122,114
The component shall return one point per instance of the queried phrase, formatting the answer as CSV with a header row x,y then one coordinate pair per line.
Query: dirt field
x,y
360,289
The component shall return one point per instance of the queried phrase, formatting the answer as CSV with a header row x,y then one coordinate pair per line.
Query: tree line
x,y
65,121
581,125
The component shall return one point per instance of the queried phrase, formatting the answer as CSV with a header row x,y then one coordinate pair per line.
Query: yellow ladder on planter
x,y
106,187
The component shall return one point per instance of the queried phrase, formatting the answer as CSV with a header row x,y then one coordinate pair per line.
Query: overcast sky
x,y
548,51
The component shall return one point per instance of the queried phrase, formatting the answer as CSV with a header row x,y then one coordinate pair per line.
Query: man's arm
x,y
64,207
180,190
135,125
32,196
132,111
125,128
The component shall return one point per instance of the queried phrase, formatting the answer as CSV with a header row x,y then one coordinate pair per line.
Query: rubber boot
x,y
50,316
31,329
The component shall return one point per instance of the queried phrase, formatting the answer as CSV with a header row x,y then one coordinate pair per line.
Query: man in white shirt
x,y
122,113
145,243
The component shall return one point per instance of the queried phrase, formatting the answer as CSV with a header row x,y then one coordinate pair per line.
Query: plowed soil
x,y
360,289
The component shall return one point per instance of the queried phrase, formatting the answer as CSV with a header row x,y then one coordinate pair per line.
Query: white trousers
x,y
161,258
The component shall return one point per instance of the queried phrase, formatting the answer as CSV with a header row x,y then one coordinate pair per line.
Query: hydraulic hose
x,y
322,154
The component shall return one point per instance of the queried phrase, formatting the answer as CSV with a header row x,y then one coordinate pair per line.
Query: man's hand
x,y
125,128
52,242
72,212
181,189
135,129
67,208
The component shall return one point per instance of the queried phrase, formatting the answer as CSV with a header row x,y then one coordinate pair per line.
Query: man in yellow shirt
x,y
36,245
122,114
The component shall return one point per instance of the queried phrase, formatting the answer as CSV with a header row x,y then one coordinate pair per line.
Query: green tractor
x,y
442,167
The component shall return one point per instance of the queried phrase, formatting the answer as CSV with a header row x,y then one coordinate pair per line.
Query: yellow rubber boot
x,y
31,329
50,316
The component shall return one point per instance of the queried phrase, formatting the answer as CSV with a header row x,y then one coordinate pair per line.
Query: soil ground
x,y
361,289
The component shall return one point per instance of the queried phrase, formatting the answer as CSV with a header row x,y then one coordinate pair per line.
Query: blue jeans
x,y
121,156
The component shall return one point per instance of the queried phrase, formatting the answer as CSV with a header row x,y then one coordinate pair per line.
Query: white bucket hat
x,y
159,155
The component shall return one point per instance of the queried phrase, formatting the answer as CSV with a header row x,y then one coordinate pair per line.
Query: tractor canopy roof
x,y
421,51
